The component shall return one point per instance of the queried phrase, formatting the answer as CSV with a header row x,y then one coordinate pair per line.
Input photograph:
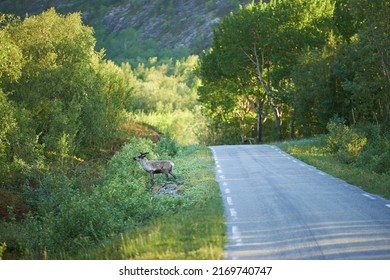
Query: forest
x,y
298,65
72,118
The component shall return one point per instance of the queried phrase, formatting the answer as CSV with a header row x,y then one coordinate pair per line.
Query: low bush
x,y
344,142
376,155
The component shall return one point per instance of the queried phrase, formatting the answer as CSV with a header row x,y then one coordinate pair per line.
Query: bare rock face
x,y
173,24
183,23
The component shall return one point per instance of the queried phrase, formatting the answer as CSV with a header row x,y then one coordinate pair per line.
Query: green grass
x,y
197,232
313,152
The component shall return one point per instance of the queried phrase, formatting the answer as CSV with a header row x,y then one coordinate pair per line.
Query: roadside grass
x,y
195,231
313,152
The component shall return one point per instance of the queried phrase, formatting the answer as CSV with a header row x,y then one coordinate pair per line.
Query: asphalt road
x,y
278,207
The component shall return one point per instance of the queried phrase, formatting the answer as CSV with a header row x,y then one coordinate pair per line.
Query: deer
x,y
155,166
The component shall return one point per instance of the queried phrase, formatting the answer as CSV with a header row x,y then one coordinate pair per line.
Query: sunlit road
x,y
278,207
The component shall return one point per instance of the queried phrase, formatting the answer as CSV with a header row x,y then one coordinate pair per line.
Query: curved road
x,y
278,207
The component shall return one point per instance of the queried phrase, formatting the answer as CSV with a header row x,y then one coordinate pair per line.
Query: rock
x,y
170,188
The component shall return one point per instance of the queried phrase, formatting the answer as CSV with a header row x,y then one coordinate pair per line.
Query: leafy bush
x,y
167,146
344,142
376,155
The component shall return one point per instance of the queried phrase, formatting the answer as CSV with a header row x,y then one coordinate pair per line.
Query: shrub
x,y
167,146
376,155
344,142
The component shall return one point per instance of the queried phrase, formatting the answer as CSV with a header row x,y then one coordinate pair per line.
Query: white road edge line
x,y
233,212
236,235
388,205
369,196
229,200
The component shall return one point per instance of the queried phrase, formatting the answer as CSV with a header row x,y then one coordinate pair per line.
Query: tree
x,y
263,42
368,61
316,92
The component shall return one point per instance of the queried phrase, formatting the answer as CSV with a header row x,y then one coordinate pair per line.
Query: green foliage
x,y
304,61
264,42
59,99
191,226
65,219
166,98
314,151
61,106
344,142
3,247
376,154
167,147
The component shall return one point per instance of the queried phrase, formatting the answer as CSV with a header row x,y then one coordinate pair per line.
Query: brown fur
x,y
155,166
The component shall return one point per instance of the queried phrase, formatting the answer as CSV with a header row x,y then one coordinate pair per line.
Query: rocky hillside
x,y
154,25
186,23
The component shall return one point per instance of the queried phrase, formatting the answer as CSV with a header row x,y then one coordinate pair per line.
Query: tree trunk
x,y
259,110
278,120
259,127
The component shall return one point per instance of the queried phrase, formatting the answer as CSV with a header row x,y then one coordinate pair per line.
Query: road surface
x,y
278,207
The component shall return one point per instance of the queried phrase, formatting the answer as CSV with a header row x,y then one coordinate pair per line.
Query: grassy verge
x,y
312,151
195,231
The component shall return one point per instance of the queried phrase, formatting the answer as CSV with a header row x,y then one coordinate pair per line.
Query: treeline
x,y
285,69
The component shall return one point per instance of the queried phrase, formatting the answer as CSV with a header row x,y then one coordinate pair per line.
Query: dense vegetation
x,y
369,170
190,226
286,68
65,110
72,119
303,69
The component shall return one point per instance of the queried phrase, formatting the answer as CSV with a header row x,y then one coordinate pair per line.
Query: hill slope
x,y
135,30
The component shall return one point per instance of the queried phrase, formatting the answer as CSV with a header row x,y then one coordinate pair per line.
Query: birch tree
x,y
258,46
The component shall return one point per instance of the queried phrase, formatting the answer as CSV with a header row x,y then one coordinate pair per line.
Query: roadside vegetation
x,y
71,122
121,216
359,155
189,226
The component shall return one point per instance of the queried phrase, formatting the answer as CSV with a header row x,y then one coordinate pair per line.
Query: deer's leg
x,y
174,176
151,177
